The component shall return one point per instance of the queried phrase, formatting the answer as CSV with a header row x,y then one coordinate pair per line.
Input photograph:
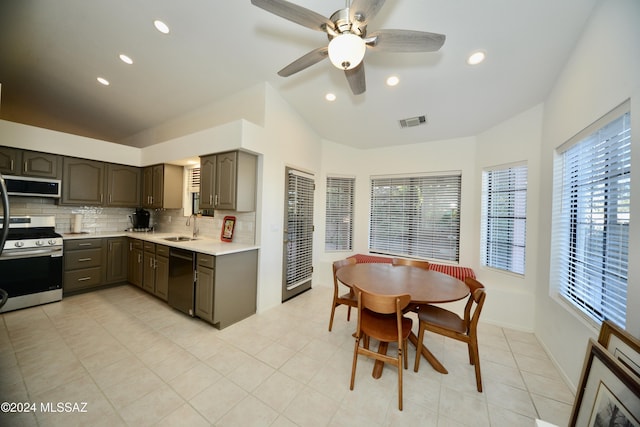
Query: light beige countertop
x,y
203,245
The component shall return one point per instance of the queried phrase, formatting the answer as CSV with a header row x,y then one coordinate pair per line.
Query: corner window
x,y
590,239
416,216
504,218
339,214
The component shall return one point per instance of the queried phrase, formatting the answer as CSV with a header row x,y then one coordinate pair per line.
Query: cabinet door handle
x,y
84,259
216,203
101,197
210,199
26,166
11,164
139,258
83,279
85,244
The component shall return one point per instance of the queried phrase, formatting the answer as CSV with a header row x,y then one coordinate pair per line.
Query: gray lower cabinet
x,y
117,254
155,270
90,263
135,267
82,264
226,287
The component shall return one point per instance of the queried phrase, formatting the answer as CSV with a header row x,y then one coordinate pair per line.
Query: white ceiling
x,y
52,51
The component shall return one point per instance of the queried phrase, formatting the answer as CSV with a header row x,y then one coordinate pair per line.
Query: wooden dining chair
x,y
411,263
349,298
444,322
380,317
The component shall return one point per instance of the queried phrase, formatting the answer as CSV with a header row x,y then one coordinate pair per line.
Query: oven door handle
x,y
31,253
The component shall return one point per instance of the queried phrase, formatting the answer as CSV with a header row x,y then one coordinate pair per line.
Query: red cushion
x,y
370,259
456,271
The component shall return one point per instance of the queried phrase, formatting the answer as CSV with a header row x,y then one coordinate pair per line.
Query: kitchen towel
x,y
76,225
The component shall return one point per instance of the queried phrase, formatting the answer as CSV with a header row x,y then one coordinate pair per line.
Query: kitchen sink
x,y
179,239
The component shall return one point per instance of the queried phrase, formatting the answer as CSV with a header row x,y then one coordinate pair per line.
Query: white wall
x,y
49,141
602,72
510,297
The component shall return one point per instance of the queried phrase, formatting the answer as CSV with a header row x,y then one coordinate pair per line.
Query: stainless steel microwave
x,y
34,187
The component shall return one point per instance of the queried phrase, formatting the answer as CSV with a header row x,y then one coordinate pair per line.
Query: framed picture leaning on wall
x,y
624,346
608,393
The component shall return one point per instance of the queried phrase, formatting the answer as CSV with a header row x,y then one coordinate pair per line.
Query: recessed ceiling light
x,y
393,80
330,97
161,26
124,58
476,57
103,81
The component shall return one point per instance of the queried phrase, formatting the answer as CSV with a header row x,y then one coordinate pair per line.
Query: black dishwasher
x,y
181,280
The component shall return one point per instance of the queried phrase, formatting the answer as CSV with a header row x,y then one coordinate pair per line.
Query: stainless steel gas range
x,y
31,262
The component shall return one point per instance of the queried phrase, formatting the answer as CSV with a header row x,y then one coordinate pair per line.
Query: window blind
x,y
416,216
591,220
339,214
504,218
194,180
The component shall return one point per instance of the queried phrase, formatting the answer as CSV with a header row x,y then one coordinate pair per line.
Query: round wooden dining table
x,y
424,286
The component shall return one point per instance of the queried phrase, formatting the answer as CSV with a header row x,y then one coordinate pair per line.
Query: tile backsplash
x,y
97,219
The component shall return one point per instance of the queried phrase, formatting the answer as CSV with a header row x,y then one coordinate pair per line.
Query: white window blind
x,y
339,214
194,180
591,219
416,216
504,218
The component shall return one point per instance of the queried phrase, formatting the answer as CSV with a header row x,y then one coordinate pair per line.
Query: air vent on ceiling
x,y
413,121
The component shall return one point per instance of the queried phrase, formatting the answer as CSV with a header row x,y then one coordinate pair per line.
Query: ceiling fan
x,y
348,38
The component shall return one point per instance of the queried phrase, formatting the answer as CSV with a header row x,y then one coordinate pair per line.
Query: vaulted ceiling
x,y
51,53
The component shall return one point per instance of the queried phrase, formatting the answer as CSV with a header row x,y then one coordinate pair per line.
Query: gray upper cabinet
x,y
41,165
94,183
162,186
14,161
123,186
228,181
207,181
82,182
10,160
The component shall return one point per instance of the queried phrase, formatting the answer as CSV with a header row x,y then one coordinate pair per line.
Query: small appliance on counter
x,y
140,220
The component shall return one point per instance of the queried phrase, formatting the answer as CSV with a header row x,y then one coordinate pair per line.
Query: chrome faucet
x,y
195,228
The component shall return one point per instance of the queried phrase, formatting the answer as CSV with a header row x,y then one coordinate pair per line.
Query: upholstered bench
x,y
452,270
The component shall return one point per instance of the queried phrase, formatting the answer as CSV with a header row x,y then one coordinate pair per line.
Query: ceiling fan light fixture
x,y
346,51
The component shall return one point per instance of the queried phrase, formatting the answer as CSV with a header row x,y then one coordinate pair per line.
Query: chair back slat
x,y
384,304
411,262
477,296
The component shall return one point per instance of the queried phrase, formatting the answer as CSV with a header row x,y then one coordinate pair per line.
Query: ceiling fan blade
x,y
356,79
295,13
405,41
305,61
362,11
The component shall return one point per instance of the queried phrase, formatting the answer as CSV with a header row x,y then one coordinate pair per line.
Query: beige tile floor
x,y
135,362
